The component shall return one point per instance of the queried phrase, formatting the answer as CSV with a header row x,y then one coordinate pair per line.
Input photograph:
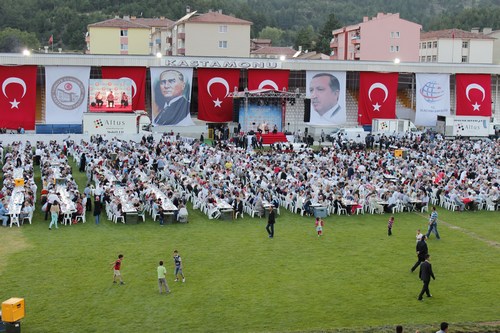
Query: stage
x,y
271,138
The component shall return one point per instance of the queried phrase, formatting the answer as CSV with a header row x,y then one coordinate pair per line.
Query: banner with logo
x,y
327,93
473,95
377,96
268,79
171,96
138,77
214,86
433,98
18,98
66,94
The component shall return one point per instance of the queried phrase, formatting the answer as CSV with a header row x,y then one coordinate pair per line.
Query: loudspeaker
x,y
236,109
307,110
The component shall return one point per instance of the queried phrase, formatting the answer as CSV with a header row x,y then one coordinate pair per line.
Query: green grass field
x,y
353,279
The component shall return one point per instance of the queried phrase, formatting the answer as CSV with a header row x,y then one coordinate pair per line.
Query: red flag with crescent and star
x,y
18,97
377,96
214,86
473,95
138,77
268,79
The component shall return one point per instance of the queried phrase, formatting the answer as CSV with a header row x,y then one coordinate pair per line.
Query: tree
x,y
325,35
274,34
306,37
15,40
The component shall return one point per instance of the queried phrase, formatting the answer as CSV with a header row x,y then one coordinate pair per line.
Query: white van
x,y
356,134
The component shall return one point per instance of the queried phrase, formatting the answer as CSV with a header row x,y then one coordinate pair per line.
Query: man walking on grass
x,y
422,251
433,224
425,275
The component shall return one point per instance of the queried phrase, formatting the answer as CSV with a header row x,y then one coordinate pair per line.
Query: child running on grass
x,y
389,226
319,226
116,266
178,267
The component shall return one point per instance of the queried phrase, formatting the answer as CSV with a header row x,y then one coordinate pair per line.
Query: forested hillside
x,y
287,22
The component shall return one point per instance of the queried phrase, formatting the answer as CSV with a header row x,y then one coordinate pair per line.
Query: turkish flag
x,y
473,95
214,86
18,97
138,77
268,79
377,96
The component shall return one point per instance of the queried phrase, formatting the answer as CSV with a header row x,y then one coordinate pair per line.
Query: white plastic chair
x,y
121,218
81,217
29,217
14,219
341,210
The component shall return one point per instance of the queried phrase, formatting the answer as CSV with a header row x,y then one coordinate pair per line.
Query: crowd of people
x,y
463,173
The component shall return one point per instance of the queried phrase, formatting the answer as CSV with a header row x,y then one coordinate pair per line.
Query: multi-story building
x,y
127,35
496,43
385,37
456,46
209,34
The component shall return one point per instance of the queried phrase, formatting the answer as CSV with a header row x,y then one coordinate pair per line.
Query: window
x,y
394,48
465,45
422,59
435,44
428,58
434,58
123,33
223,44
429,45
424,45
222,28
394,34
464,59
124,47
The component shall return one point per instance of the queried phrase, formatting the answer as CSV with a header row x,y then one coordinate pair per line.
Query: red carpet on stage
x,y
272,138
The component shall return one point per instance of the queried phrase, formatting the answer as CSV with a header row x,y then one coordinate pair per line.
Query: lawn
x,y
353,279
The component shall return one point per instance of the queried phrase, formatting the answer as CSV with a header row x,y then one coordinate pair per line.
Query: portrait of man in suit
x,y
326,104
172,107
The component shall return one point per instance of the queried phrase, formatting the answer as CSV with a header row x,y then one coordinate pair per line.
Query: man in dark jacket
x,y
421,252
270,222
425,275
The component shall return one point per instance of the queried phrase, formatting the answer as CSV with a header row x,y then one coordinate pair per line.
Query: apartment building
x,y
457,46
385,37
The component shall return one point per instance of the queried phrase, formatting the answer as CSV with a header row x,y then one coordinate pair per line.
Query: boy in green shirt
x,y
162,280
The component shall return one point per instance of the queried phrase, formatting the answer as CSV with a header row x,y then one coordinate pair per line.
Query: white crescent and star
x,y
378,85
134,86
475,86
268,83
214,80
14,103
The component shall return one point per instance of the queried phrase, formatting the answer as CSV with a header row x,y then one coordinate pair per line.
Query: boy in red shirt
x,y
116,266
319,226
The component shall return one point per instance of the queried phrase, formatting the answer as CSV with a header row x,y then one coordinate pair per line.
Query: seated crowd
x,y
159,177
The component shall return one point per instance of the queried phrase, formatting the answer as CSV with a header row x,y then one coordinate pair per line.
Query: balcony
x,y
355,40
181,35
181,51
334,43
